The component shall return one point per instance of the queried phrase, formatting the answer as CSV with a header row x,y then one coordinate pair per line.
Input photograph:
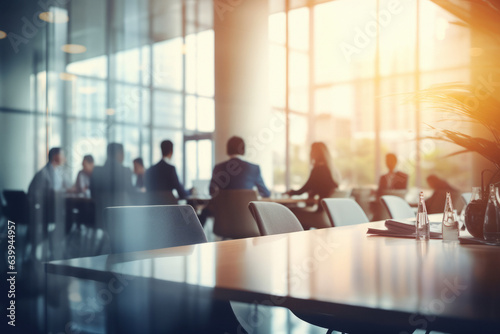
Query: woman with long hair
x,y
323,179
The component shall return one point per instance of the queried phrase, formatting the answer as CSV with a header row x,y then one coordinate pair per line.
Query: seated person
x,y
162,177
393,180
435,203
321,183
82,183
53,175
236,173
139,172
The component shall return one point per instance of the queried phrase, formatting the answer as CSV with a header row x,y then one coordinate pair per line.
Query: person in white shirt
x,y
82,183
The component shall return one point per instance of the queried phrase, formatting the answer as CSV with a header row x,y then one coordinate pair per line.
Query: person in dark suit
x,y
321,181
162,177
236,173
111,184
393,180
393,183
435,203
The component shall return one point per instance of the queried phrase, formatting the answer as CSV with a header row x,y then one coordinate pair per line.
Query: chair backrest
x,y
138,228
397,207
344,211
274,218
231,216
17,206
466,197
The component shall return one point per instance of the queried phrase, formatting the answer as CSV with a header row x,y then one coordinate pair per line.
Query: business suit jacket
x,y
399,181
111,185
237,174
44,181
163,177
320,182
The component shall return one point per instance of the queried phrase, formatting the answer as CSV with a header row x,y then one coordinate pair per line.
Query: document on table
x,y
405,229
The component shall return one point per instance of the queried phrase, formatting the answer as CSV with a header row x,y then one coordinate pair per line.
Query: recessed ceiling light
x,y
67,76
73,48
3,34
54,17
110,111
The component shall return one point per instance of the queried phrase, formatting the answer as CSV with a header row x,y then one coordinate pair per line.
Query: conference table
x,y
362,280
284,200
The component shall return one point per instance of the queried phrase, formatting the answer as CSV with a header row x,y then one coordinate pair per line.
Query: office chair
x,y
344,211
141,228
397,207
274,218
231,217
316,217
138,228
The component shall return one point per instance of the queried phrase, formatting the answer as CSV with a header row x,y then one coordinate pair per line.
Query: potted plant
x,y
460,102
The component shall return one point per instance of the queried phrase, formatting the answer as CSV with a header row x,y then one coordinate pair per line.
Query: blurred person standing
x,y
162,177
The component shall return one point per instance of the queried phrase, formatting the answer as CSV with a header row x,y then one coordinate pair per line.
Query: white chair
x,y
143,228
274,218
397,207
344,211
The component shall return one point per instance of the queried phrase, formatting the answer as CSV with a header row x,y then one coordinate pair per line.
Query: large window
x,y
145,74
339,72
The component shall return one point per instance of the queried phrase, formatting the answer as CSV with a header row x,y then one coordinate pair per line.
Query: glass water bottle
x,y
450,221
422,225
491,228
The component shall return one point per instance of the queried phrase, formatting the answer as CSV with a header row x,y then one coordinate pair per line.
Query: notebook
x,y
405,229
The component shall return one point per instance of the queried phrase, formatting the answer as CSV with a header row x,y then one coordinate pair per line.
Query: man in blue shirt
x,y
236,173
